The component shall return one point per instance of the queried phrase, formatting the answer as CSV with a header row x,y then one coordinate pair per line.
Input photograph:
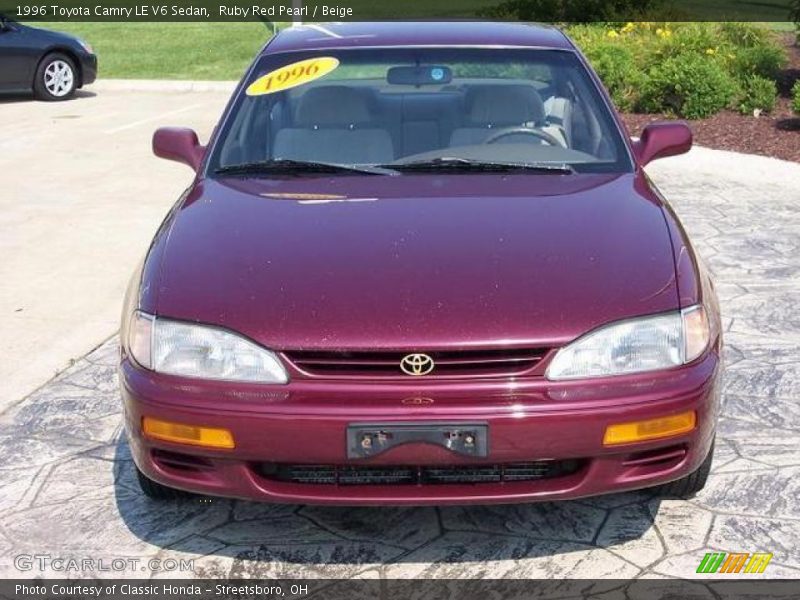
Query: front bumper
x,y
305,423
88,68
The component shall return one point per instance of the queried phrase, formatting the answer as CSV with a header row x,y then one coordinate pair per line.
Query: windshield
x,y
410,109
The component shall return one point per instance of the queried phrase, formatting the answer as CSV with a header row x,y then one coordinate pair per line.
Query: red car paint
x,y
533,261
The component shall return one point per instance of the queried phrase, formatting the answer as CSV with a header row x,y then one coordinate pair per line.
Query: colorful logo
x,y
734,562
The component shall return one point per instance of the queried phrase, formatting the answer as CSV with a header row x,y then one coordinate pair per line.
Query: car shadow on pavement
x,y
14,98
230,538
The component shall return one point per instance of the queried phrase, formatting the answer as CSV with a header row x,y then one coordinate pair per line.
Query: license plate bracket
x,y
370,439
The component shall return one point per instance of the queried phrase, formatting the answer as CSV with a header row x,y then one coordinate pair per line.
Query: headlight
x,y
636,345
190,350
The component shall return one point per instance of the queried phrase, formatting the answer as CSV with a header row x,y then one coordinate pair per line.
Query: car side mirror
x,y
661,139
179,144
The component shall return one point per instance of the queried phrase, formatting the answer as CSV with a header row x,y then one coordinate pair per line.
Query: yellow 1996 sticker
x,y
292,75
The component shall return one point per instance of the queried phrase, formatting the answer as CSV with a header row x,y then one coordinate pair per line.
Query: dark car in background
x,y
50,64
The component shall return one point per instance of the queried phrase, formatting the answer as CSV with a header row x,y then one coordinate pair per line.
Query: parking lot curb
x,y
161,85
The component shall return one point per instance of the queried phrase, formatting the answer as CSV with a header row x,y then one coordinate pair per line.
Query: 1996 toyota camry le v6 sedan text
x,y
420,264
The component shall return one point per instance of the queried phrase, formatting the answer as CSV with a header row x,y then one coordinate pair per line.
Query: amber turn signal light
x,y
210,437
651,429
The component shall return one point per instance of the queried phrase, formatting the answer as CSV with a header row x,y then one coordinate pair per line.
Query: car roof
x,y
319,36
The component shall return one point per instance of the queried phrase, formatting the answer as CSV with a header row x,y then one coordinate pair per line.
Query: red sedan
x,y
420,264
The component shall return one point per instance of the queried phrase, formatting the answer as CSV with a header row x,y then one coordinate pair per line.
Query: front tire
x,y
156,491
690,485
56,78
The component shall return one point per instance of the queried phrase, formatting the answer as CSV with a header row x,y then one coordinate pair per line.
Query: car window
x,y
401,105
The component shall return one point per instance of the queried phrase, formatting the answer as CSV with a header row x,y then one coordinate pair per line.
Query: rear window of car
x,y
397,105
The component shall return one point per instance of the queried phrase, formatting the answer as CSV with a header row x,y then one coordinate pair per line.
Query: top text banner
x,y
384,10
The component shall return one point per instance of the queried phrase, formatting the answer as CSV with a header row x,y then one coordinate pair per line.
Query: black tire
x,y
56,78
156,491
688,486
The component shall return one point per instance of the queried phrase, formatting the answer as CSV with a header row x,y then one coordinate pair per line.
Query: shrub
x,y
765,60
744,35
572,11
699,39
690,86
616,66
796,97
693,69
794,15
756,93
745,48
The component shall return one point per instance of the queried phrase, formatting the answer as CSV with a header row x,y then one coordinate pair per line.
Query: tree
x,y
572,11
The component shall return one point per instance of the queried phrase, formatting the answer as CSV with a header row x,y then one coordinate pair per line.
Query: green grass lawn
x,y
170,50
186,50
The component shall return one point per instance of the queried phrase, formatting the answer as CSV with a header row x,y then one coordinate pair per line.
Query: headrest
x,y
505,105
331,106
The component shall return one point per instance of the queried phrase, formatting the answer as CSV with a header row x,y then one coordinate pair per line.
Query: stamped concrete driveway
x,y
69,491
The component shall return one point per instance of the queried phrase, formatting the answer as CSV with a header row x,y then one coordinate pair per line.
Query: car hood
x,y
415,261
56,37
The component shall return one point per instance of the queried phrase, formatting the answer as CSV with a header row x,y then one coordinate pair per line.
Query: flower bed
x,y
690,70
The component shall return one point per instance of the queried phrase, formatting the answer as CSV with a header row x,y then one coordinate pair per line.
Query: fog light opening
x,y
650,429
180,433
180,461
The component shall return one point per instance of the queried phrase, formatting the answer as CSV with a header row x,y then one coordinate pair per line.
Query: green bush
x,y
744,35
794,15
745,48
571,11
693,69
796,97
691,38
756,93
690,86
765,60
616,66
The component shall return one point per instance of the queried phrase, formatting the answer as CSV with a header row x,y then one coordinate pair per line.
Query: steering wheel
x,y
538,133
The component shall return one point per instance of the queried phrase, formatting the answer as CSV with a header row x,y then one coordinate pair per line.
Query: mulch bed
x,y
776,134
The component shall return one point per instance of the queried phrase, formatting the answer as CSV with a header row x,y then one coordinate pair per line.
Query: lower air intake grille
x,y
421,475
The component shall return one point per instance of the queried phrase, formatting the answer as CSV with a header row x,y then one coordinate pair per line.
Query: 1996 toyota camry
x,y
420,264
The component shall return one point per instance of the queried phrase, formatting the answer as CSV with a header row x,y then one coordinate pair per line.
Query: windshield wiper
x,y
285,166
477,166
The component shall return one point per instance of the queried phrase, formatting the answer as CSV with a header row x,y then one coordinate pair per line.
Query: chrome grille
x,y
455,363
